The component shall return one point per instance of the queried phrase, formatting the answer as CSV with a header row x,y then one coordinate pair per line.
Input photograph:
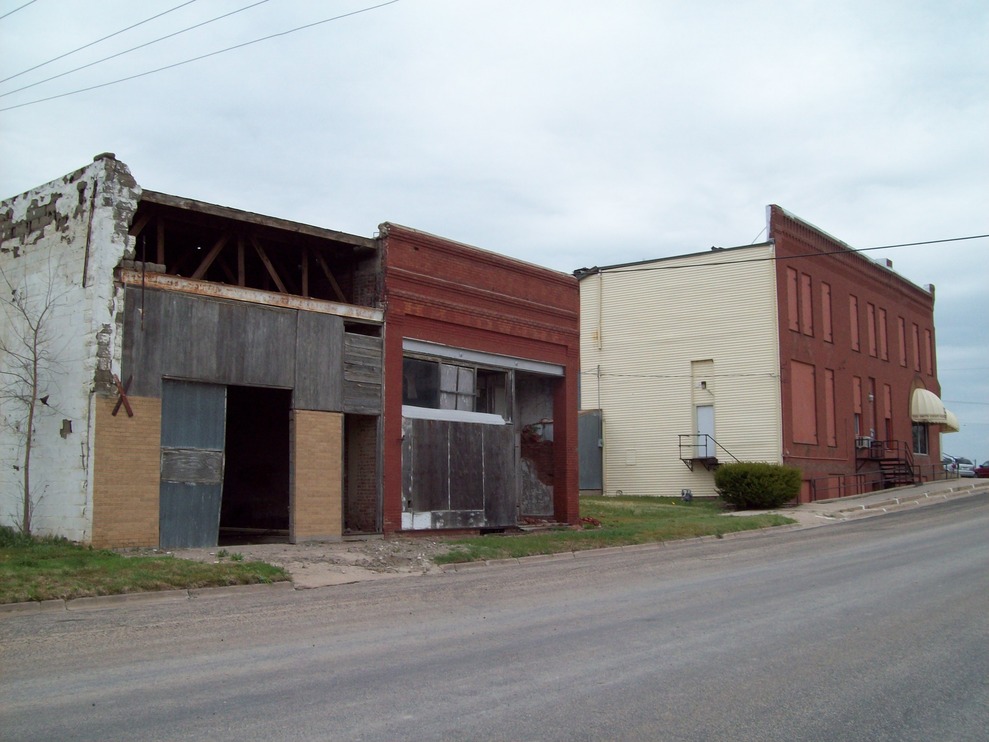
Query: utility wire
x,y
630,269
11,12
133,48
200,57
86,46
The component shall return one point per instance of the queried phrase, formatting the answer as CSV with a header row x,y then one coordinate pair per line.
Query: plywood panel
x,y
318,362
467,466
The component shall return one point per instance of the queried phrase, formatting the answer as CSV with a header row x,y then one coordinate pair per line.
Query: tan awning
x,y
927,407
951,424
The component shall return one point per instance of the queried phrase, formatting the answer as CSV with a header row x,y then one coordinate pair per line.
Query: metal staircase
x,y
700,448
895,461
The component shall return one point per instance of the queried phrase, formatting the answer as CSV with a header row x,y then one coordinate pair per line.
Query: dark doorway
x,y
255,505
361,512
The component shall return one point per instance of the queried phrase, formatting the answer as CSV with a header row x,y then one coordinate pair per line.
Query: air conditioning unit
x,y
863,442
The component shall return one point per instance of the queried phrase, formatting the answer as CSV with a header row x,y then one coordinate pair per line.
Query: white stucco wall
x,y
62,240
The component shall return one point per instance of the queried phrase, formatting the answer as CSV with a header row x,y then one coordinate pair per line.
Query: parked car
x,y
958,465
982,470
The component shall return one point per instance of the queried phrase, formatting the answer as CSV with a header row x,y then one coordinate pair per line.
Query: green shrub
x,y
755,485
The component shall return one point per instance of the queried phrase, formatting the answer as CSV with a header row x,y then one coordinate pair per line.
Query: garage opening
x,y
255,503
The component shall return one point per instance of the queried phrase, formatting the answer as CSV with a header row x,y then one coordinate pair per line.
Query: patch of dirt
x,y
314,564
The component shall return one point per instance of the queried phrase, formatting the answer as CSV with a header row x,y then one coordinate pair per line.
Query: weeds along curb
x,y
103,602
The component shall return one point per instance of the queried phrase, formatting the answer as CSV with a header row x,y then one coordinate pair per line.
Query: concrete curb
x,y
103,602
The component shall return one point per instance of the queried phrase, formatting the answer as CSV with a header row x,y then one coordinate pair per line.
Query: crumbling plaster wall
x,y
63,240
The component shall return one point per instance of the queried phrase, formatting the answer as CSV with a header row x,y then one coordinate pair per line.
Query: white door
x,y
705,431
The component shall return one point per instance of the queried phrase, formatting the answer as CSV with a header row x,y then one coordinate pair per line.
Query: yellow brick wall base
x,y
316,499
126,473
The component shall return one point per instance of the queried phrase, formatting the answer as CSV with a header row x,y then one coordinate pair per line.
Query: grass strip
x,y
614,521
51,568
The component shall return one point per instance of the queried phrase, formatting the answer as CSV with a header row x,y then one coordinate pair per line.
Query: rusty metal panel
x,y
189,515
318,363
192,466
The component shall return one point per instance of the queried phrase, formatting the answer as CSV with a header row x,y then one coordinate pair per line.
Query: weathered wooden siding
x,y
640,333
237,343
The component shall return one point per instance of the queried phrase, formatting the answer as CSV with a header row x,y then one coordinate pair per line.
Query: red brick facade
x,y
847,329
444,292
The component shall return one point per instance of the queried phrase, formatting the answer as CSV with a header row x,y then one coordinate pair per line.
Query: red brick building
x,y
480,387
857,362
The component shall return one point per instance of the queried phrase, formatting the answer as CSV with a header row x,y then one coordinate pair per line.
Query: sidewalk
x,y
841,509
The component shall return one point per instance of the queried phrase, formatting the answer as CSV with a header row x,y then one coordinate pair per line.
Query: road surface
x,y
868,630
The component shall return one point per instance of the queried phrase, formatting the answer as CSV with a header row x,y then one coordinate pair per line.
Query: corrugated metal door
x,y
193,425
589,447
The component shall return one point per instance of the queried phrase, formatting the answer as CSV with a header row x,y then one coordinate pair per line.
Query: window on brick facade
x,y
447,386
916,347
888,411
929,351
883,336
870,327
853,319
806,306
920,444
826,327
792,300
803,403
857,404
902,323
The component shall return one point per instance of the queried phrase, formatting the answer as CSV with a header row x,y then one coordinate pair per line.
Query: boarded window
x,y
792,300
804,403
856,394
853,319
870,327
929,351
903,341
826,328
829,411
883,336
916,347
806,305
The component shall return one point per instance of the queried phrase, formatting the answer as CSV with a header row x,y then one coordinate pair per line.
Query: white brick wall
x,y
45,254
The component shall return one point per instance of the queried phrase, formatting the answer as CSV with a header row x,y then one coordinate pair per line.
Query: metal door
x,y
705,431
193,426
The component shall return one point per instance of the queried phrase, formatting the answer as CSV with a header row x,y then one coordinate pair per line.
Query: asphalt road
x,y
869,630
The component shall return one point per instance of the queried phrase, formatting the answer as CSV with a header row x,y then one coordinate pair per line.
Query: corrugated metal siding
x,y
650,325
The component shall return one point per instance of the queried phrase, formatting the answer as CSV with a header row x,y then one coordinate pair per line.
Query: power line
x,y
135,48
11,12
845,251
86,46
200,57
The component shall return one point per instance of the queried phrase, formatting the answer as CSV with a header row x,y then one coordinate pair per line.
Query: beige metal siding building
x,y
667,350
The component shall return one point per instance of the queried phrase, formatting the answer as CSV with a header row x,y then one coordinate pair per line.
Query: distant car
x,y
982,470
958,465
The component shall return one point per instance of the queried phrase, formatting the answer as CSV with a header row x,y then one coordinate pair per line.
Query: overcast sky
x,y
566,132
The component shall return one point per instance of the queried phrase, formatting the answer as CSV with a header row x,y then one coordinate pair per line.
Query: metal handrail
x,y
697,438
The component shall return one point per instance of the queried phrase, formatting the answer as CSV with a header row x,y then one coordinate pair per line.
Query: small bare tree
x,y
28,360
